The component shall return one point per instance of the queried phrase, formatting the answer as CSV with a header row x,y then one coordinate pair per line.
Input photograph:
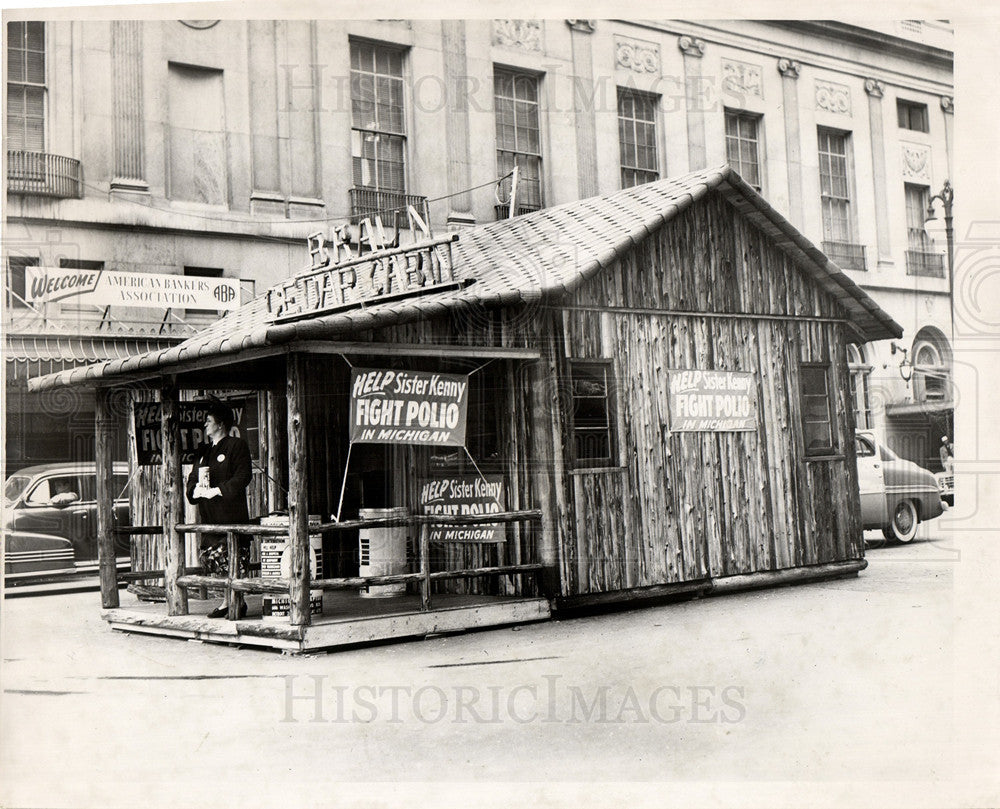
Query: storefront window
x,y
860,372
817,416
592,413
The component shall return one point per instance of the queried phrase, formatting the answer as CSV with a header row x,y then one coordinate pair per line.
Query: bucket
x,y
382,551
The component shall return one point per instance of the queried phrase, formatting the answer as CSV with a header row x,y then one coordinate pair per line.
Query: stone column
x,y
126,78
586,121
789,70
875,90
456,74
693,50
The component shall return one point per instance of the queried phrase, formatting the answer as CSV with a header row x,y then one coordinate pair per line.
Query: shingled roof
x,y
544,254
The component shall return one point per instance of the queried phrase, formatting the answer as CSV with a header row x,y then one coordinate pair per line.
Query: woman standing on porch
x,y
218,486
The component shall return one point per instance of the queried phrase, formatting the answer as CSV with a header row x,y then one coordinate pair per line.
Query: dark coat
x,y
230,470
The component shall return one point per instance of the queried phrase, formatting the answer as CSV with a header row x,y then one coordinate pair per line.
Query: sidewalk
x,y
848,680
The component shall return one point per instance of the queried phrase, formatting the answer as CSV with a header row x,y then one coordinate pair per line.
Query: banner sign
x,y
408,407
397,273
112,288
149,438
464,495
712,401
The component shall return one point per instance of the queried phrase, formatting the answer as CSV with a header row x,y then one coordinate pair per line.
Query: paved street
x,y
849,680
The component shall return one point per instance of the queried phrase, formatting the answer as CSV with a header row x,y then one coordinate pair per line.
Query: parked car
x,y
35,553
896,494
946,482
59,500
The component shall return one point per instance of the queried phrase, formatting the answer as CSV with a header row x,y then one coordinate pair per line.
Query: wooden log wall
x,y
684,506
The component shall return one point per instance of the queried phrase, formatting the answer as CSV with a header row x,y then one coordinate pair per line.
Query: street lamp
x,y
945,196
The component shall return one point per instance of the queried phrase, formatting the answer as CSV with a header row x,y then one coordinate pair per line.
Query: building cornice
x,y
876,40
718,34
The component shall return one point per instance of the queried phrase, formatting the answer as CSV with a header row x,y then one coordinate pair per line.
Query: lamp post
x,y
946,196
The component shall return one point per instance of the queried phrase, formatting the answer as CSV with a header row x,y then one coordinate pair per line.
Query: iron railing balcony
x,y
390,206
42,174
503,211
846,255
920,262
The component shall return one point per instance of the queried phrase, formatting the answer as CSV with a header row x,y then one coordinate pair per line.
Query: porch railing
x,y
235,587
43,174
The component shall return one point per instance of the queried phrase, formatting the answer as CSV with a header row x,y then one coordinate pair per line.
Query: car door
x,y
56,505
871,482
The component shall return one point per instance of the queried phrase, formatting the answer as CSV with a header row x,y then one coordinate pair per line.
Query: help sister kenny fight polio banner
x,y
408,407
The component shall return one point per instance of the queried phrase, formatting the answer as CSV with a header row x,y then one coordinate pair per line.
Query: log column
x,y
541,444
104,430
298,494
172,499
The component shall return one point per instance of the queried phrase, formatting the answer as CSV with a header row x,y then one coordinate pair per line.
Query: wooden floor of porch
x,y
348,619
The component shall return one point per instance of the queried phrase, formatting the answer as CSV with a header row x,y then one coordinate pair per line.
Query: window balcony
x,y
846,255
44,175
390,206
919,262
503,211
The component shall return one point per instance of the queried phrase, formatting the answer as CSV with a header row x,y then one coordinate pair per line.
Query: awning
x,y
32,356
920,408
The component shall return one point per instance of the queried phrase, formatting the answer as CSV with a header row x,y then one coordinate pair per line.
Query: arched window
x,y
860,371
931,366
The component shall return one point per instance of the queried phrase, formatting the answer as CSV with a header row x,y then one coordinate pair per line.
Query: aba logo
x,y
224,293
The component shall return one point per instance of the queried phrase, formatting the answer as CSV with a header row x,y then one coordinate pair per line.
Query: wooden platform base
x,y
347,620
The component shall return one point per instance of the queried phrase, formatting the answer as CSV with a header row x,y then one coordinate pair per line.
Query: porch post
x,y
276,425
298,494
104,427
171,502
544,483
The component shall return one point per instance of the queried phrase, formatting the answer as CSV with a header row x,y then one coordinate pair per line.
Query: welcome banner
x,y
408,407
113,288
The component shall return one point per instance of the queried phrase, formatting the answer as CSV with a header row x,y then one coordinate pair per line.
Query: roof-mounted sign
x,y
340,278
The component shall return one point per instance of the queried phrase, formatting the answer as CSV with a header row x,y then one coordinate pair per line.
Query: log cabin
x,y
632,396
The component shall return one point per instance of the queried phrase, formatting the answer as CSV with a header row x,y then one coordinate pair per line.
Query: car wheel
x,y
904,522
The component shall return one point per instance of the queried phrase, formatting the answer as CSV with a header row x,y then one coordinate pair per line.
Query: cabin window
x,y
743,146
593,412
378,126
817,414
515,101
637,137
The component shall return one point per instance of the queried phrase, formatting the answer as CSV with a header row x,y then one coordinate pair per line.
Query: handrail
x,y
236,586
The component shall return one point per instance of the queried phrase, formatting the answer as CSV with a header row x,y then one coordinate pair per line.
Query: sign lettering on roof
x,y
148,290
372,278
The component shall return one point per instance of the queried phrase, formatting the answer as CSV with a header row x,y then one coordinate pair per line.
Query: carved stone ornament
x,y
523,34
874,88
692,46
789,68
583,26
637,55
948,104
742,79
835,98
916,162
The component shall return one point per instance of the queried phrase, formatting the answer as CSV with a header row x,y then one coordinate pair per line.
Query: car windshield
x,y
14,486
888,454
